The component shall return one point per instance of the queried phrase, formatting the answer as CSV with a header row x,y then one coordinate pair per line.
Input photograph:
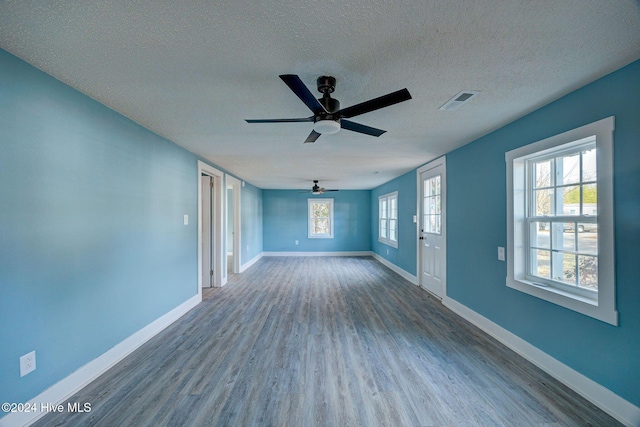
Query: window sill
x,y
587,306
547,288
389,243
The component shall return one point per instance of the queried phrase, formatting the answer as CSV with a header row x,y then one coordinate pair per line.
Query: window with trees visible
x,y
388,219
320,218
431,205
560,220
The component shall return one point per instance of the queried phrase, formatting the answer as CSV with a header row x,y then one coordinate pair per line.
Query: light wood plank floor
x,y
331,341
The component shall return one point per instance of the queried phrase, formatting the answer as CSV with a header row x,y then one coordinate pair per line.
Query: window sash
x,y
320,224
388,219
559,261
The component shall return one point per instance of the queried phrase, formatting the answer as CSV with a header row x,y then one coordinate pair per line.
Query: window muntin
x,y
562,219
388,219
432,206
320,218
560,223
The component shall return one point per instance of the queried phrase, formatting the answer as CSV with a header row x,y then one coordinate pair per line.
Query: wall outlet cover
x,y
27,363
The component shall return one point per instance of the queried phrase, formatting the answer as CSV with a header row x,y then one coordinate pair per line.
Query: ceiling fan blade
x,y
299,88
375,104
304,119
312,137
325,190
357,127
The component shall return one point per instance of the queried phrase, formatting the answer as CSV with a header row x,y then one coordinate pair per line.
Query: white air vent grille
x,y
459,100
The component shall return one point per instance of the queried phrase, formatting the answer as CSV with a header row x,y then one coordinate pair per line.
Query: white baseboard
x,y
619,408
405,274
252,261
337,253
65,388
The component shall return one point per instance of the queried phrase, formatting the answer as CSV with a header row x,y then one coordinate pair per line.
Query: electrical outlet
x,y
27,363
296,242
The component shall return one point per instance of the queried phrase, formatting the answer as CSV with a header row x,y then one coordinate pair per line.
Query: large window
x,y
320,218
388,219
560,220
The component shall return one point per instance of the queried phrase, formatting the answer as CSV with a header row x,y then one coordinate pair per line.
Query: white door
x,y
432,236
207,258
234,238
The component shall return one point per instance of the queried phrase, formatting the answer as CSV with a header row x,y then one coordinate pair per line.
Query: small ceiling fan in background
x,y
327,116
316,189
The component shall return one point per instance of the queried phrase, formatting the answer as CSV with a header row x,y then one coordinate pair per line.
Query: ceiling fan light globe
x,y
326,127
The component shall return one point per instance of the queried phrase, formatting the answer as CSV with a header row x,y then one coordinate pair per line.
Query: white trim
x,y
337,253
387,240
236,186
605,309
68,386
619,408
249,263
398,270
220,262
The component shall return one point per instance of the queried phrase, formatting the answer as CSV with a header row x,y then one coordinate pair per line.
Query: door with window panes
x,y
432,228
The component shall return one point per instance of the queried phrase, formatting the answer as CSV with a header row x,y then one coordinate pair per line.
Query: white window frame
x,y
311,233
387,216
602,305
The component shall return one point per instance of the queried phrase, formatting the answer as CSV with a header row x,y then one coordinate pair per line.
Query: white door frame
x,y
439,162
206,234
236,185
219,260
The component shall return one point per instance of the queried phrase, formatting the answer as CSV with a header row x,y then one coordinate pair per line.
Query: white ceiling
x,y
192,71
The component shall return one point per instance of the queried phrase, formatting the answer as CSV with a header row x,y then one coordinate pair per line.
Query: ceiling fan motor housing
x,y
327,123
326,84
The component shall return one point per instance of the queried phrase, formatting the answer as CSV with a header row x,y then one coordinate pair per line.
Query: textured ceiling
x,y
192,71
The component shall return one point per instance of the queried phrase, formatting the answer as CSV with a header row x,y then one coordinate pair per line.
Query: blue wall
x,y
476,179
92,242
405,255
285,220
251,228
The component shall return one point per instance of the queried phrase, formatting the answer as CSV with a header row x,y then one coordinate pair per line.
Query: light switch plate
x,y
501,253
186,220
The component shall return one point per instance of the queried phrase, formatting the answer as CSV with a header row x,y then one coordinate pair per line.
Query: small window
x,y
560,220
320,218
388,219
432,209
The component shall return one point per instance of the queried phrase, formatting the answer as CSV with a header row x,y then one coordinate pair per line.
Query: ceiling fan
x,y
316,189
327,116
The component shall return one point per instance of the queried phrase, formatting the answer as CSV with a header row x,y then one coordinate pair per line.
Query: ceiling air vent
x,y
459,100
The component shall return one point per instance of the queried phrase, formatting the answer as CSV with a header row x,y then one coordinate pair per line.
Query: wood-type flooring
x,y
325,341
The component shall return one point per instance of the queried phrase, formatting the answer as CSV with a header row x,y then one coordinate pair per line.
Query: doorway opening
x,y
211,257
